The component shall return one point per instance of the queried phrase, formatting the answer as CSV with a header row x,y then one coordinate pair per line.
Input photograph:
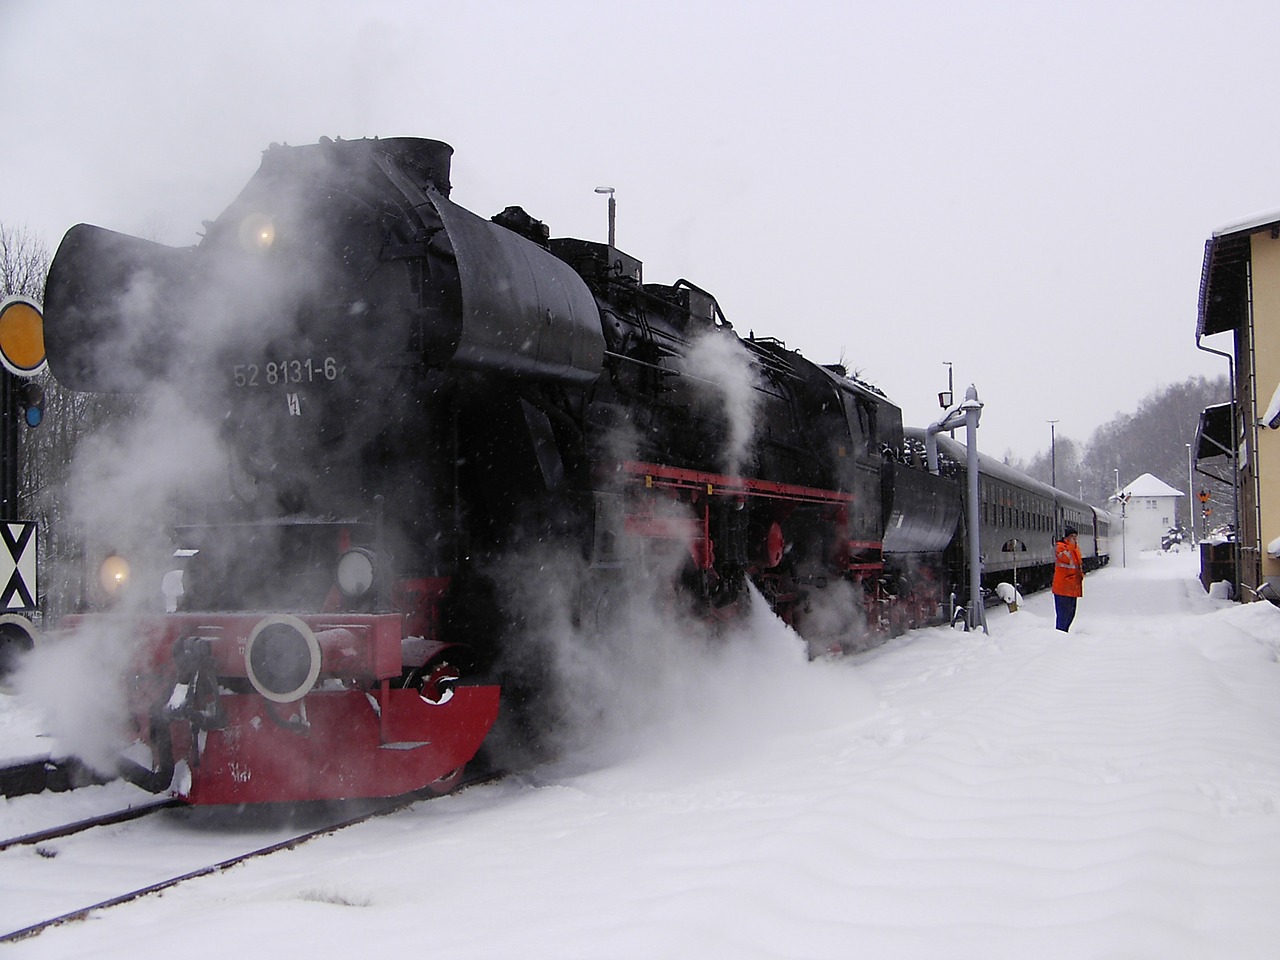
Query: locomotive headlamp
x,y
355,573
113,574
257,232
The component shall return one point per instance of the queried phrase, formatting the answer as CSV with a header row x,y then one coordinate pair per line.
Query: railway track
x,y
88,823
47,869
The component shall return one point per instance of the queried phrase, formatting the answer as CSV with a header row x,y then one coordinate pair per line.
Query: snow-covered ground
x,y
1113,792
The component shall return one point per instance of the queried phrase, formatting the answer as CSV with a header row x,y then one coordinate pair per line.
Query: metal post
x,y
951,388
972,408
1053,455
1124,530
1191,495
968,413
8,446
613,213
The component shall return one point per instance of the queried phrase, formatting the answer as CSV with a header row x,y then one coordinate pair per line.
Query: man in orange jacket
x,y
1068,578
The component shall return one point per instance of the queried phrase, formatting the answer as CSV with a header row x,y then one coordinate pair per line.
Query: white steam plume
x,y
78,684
630,665
728,379
123,485
119,494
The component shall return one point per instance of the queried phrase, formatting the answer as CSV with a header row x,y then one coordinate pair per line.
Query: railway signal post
x,y
23,356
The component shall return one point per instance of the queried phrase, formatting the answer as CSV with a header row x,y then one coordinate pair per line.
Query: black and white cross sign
x,y
18,565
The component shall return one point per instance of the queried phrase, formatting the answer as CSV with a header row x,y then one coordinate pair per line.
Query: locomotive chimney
x,y
427,161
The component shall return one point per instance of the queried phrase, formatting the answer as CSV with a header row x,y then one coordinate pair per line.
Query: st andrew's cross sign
x,y
18,565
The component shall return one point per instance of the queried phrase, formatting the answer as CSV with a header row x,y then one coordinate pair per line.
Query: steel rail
x,y
83,912
102,820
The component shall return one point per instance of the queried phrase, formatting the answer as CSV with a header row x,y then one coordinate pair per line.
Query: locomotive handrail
x,y
682,282
768,359
669,371
715,483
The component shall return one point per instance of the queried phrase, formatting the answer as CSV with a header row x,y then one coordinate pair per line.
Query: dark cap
x,y
1069,531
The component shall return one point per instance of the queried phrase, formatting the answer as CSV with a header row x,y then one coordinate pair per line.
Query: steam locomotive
x,y
390,399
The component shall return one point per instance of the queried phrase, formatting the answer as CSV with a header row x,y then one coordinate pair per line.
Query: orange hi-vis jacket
x,y
1068,571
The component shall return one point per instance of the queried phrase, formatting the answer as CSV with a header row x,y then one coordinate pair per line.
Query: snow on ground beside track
x,y
21,732
22,740
1112,792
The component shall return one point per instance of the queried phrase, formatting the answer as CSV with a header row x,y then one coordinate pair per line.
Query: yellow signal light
x,y
21,337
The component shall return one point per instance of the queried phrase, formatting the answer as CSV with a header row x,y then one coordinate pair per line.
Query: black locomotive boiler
x,y
397,396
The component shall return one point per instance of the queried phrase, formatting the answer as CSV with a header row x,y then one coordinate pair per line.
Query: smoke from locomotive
x,y
401,449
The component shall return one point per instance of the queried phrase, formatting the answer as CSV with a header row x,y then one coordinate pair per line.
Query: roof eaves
x,y
1223,303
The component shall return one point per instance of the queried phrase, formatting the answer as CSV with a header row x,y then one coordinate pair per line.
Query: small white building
x,y
1150,512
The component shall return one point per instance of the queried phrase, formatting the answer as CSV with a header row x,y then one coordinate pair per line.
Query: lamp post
x,y
613,210
951,390
1191,495
1053,454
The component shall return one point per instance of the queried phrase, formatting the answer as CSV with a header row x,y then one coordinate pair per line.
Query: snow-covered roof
x,y
1149,486
1249,224
1224,287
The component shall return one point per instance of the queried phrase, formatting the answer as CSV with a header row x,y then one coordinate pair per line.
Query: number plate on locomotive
x,y
287,372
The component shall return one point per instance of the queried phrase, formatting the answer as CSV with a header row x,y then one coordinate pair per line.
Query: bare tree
x,y
24,263
1153,439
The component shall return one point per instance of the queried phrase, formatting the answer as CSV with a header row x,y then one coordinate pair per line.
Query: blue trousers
x,y
1066,608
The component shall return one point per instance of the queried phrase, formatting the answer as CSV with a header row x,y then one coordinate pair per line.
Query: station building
x,y
1239,442
1148,509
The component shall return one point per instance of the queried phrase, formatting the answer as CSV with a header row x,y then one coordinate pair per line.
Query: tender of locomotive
x,y
405,393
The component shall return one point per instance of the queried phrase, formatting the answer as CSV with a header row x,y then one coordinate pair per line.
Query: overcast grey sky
x,y
1021,188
